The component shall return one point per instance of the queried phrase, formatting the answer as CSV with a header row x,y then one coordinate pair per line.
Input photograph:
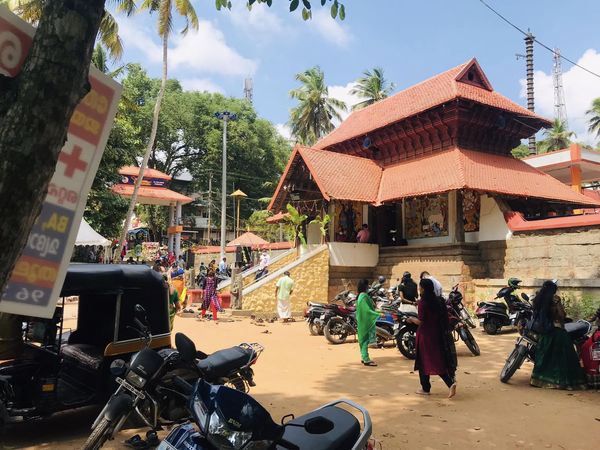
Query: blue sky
x,y
410,40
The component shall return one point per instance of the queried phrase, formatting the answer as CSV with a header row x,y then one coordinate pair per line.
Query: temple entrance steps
x,y
449,263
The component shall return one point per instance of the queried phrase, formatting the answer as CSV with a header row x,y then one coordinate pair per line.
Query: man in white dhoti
x,y
283,291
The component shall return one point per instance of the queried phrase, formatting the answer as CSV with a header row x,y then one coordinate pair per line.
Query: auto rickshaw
x,y
61,368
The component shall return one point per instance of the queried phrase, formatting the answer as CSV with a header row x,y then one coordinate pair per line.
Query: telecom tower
x,y
560,108
248,89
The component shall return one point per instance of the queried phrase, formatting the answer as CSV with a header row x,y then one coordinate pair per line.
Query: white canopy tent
x,y
88,236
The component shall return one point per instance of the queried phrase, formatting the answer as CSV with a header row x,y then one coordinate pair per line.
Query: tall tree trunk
x,y
159,99
35,110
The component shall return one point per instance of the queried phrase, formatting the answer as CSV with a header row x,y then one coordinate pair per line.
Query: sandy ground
x,y
298,372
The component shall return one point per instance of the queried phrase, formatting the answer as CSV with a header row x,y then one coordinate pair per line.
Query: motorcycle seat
x,y
349,309
223,362
577,329
319,305
343,436
495,304
84,354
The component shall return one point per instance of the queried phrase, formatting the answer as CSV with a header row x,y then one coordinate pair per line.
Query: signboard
x,y
155,182
39,273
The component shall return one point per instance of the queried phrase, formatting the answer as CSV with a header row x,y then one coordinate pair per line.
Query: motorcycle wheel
x,y
470,322
406,343
469,340
490,326
100,434
335,331
313,328
513,362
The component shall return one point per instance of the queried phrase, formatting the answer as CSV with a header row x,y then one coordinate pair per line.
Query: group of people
x,y
436,354
557,364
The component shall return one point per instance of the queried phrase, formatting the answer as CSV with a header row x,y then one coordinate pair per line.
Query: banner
x,y
39,273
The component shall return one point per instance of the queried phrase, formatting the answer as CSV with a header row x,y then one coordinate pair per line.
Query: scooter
x,y
514,312
229,419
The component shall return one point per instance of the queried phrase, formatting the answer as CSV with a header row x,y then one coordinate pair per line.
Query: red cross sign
x,y
72,161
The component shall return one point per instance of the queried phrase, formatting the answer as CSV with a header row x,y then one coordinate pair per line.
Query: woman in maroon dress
x,y
211,300
436,354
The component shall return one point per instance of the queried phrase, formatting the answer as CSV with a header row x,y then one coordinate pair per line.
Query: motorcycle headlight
x,y
224,438
135,379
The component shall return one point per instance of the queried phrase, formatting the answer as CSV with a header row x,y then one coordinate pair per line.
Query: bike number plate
x,y
130,388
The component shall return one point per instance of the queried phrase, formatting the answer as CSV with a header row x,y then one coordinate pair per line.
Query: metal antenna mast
x,y
249,89
560,107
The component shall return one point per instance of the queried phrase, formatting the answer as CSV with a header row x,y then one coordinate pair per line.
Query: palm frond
x,y
187,11
109,35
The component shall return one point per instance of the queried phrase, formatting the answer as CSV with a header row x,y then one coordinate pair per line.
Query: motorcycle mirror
x,y
318,425
118,367
524,296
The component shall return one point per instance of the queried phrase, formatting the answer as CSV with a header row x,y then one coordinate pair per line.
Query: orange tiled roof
x,y
421,97
151,195
134,171
467,169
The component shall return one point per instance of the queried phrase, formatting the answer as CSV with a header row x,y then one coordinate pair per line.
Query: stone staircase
x,y
449,263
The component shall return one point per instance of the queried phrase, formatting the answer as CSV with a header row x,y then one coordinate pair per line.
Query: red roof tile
x,y
421,97
468,169
134,171
151,195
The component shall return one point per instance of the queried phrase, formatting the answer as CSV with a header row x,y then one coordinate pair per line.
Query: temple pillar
x,y
331,213
171,237
576,177
178,221
459,224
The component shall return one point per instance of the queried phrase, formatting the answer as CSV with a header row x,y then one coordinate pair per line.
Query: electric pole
x,y
225,116
209,205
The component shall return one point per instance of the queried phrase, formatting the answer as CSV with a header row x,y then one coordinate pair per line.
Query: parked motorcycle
x,y
343,324
228,419
515,312
146,391
460,321
405,334
317,314
527,342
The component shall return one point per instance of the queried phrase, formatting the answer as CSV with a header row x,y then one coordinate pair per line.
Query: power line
x,y
537,41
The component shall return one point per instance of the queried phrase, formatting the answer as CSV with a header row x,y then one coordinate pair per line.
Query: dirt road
x,y
298,372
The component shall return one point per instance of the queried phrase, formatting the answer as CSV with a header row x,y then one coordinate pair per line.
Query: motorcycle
x,y
515,312
527,342
405,334
343,324
317,314
460,321
228,419
146,391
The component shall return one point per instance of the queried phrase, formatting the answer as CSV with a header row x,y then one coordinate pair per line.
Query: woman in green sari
x,y
366,316
556,362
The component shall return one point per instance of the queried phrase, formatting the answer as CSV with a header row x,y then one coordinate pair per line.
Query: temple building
x,y
428,168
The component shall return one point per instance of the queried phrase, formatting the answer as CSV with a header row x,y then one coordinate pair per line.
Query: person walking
x,y
174,305
283,292
556,362
436,354
366,317
210,300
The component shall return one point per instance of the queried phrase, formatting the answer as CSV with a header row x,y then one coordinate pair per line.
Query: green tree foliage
x,y
556,138
316,110
257,223
189,138
372,87
522,151
297,223
594,113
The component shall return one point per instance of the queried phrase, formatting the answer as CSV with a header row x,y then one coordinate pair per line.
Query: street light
x,y
225,116
237,196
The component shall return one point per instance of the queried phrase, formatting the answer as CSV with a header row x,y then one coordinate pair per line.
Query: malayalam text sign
x,y
39,273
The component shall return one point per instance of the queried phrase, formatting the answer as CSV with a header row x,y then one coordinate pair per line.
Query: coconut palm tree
x,y
556,138
165,10
313,116
372,86
31,11
594,122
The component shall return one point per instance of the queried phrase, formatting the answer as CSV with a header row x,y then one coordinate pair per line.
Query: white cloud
x,y
204,50
284,130
201,85
343,93
580,88
260,21
329,28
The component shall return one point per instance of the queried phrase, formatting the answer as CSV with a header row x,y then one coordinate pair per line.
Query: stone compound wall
x,y
565,253
311,279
